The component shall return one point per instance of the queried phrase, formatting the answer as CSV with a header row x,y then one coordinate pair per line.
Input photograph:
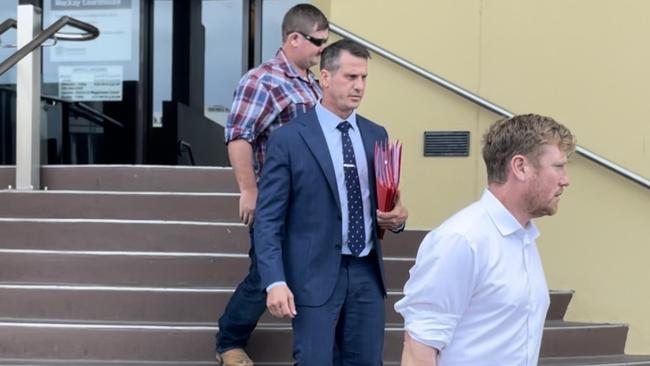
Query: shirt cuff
x,y
277,283
433,331
248,137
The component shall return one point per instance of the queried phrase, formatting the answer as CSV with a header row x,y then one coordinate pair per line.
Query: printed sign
x,y
114,20
90,83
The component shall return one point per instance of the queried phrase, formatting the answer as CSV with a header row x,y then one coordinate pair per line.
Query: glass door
x,y
154,88
91,89
8,88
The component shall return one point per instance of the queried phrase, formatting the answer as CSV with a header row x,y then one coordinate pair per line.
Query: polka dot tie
x,y
356,227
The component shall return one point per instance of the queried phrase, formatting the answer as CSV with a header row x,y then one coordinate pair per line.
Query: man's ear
x,y
519,166
293,39
324,78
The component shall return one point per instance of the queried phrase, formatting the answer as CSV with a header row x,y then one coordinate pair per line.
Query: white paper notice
x,y
90,83
113,18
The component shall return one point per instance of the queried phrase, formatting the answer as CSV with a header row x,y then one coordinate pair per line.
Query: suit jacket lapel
x,y
315,140
369,138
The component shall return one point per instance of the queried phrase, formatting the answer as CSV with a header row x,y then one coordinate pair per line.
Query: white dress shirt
x,y
477,291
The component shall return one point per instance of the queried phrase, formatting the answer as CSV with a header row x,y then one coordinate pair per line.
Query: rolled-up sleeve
x,y
252,109
439,288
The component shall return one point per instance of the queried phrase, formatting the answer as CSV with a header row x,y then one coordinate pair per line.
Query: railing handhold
x,y
9,23
5,26
90,32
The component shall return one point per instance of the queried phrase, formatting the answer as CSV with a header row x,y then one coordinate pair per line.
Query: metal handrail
x,y
50,32
85,111
184,145
482,102
7,24
80,108
91,31
63,36
11,23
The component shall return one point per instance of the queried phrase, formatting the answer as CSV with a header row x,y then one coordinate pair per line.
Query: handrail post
x,y
28,99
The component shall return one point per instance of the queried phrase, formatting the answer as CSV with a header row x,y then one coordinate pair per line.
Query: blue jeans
x,y
244,309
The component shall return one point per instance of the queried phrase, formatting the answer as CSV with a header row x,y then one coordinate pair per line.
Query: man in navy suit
x,y
319,256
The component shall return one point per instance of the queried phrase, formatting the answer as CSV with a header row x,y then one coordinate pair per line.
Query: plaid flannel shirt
x,y
266,98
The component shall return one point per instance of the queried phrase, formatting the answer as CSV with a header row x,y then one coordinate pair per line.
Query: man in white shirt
x,y
477,293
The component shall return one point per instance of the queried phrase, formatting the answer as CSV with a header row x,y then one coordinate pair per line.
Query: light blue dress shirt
x,y
328,122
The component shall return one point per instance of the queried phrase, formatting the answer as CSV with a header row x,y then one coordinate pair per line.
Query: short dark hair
x,y
522,135
331,55
303,18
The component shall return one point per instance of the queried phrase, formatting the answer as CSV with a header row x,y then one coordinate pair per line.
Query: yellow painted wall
x,y
584,62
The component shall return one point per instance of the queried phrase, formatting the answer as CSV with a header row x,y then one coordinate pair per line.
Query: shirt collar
x,y
289,69
329,120
504,221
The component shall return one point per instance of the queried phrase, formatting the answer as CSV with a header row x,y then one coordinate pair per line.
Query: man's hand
x,y
247,202
418,354
279,301
395,218
240,153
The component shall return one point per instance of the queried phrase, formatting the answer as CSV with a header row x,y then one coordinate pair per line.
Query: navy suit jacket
x,y
298,216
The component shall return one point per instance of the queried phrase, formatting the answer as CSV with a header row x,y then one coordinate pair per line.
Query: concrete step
x,y
113,342
128,305
566,339
150,235
133,304
140,363
46,362
144,269
404,244
617,360
270,343
560,300
220,207
123,235
614,360
150,343
130,178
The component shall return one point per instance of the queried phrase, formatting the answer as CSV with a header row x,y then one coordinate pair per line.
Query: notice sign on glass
x,y
113,18
90,83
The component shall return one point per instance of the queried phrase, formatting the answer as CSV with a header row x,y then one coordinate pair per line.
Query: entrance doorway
x,y
154,88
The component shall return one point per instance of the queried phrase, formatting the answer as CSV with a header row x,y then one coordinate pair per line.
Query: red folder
x,y
388,164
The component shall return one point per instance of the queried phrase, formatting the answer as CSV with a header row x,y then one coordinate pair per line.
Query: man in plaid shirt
x,y
267,97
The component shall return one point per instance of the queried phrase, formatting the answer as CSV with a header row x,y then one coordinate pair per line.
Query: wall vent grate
x,y
446,143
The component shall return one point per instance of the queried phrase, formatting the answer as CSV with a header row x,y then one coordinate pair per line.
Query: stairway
x,y
122,265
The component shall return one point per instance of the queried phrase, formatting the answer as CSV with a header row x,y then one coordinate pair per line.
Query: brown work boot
x,y
234,357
